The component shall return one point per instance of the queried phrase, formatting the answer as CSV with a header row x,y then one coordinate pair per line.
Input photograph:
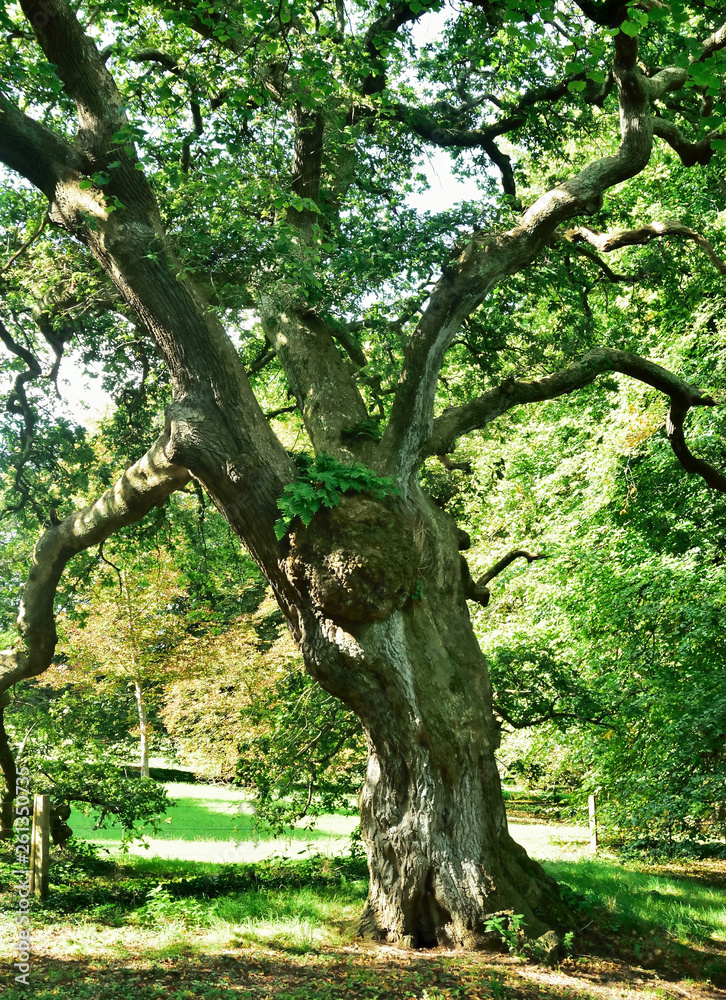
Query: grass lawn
x,y
140,927
216,824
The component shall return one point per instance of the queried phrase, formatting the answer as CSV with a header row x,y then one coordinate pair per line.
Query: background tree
x,y
216,159
75,747
221,672
128,639
614,642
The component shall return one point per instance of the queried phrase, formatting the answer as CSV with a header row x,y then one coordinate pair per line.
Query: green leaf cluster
x,y
322,483
75,747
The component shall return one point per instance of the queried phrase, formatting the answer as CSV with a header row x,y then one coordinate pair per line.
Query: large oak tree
x,y
225,161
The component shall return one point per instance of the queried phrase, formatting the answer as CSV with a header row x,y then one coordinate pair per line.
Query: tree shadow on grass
x,y
674,926
256,974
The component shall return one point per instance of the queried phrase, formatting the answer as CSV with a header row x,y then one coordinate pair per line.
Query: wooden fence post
x,y
40,846
592,811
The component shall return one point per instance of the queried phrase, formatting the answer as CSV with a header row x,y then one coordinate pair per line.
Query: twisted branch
x,y
479,591
481,411
143,486
607,242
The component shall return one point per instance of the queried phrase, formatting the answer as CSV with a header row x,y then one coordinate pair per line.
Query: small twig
x,y
19,753
24,247
113,566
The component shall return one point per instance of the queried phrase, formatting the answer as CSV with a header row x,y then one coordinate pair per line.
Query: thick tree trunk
x,y
440,856
391,636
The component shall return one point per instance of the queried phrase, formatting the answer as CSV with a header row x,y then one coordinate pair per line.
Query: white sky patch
x,y
446,190
82,394
82,398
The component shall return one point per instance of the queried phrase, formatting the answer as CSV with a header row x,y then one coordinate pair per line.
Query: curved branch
x,y
479,591
101,115
472,590
713,43
607,271
168,62
29,242
453,466
18,350
279,412
505,561
398,14
503,163
448,134
551,715
481,411
143,486
340,332
445,136
490,258
80,66
262,360
157,56
690,153
425,125
696,466
34,151
607,242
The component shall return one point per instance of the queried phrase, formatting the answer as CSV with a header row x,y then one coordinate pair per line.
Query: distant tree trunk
x,y
143,729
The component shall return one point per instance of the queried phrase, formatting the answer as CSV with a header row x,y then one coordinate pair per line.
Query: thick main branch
x,y
488,259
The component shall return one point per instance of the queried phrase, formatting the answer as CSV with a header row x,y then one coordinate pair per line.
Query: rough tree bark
x,y
441,858
373,590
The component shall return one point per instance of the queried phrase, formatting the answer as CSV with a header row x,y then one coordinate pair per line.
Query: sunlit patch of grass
x,y
298,920
140,914
552,842
290,934
652,913
684,909
208,823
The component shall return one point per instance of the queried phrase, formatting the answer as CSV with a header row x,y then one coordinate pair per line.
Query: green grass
x,y
293,919
647,902
135,927
635,897
215,824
